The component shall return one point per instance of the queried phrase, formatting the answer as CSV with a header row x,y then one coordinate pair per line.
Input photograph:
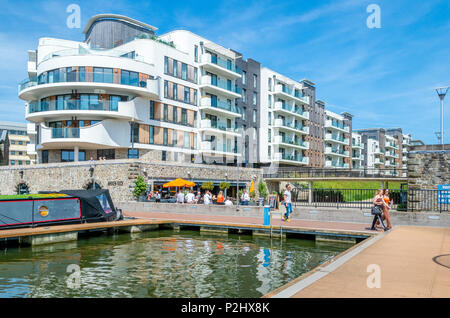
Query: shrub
x,y
208,185
139,187
262,189
224,186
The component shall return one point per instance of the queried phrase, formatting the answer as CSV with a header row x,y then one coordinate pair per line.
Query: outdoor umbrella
x,y
252,187
179,183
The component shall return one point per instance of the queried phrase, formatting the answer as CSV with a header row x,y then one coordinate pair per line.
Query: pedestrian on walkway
x,y
386,208
287,203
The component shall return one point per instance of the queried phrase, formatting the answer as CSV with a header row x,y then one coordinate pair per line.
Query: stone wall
x,y
118,176
428,166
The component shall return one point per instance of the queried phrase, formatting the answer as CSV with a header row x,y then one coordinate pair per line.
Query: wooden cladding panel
x,y
144,134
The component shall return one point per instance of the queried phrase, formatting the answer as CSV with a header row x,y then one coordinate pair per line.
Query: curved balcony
x,y
105,134
219,108
35,88
217,86
290,110
42,111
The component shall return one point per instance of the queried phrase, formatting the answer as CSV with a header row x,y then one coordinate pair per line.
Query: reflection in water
x,y
160,264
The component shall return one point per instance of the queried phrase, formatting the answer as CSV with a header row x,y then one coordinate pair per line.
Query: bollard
x,y
267,215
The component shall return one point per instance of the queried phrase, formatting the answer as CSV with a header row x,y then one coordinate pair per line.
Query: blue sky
x,y
385,77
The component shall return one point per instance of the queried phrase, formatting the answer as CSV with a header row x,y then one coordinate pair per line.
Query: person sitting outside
x,y
157,197
220,198
190,197
245,198
180,197
207,198
228,202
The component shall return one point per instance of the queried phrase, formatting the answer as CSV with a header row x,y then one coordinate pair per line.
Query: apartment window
x,y
175,68
129,78
270,135
255,98
187,95
152,110
166,65
244,76
13,162
195,97
255,80
107,153
20,153
166,112
184,117
165,137
163,155
13,153
270,152
69,156
151,134
195,75
175,91
20,142
13,142
186,140
254,116
134,132
196,53
184,71
133,153
103,75
244,94
270,118
244,111
81,74
28,162
45,156
270,84
166,89
174,114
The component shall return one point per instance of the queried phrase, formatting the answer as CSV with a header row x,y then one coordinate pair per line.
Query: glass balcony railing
x,y
295,110
72,104
225,106
214,81
83,77
297,158
294,142
337,138
65,132
227,64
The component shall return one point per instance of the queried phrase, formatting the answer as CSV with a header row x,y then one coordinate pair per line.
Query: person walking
x,y
386,208
287,203
378,202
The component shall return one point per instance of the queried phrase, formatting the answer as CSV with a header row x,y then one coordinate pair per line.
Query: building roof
x,y
10,125
117,17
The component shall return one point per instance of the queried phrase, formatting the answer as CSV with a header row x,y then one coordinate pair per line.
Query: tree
x,y
224,186
208,185
139,187
262,189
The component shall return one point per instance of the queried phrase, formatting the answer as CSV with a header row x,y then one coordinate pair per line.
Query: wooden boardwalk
x,y
410,261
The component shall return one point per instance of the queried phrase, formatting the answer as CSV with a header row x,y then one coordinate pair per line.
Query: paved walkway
x,y
404,257
252,221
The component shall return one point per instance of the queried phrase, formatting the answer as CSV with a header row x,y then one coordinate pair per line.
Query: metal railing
x,y
411,200
298,173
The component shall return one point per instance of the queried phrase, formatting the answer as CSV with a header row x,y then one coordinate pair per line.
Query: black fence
x,y
283,173
401,200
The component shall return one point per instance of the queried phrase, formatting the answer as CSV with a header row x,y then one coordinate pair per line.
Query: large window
x,y
106,153
133,153
152,110
44,156
69,155
129,78
103,75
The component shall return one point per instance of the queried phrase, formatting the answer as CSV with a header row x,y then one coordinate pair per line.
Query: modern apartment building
x,y
20,148
126,93
357,151
284,120
337,140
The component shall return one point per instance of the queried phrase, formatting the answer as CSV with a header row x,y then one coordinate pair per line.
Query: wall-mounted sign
x,y
443,193
115,183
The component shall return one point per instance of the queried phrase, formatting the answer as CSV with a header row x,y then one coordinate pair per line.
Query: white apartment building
x,y
21,143
126,93
283,119
337,141
357,151
374,155
391,152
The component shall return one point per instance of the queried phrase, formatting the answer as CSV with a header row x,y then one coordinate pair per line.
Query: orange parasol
x,y
179,183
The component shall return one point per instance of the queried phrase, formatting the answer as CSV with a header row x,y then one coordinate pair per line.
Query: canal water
x,y
159,264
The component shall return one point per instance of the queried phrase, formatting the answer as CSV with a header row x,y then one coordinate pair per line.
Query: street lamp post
x,y
442,91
